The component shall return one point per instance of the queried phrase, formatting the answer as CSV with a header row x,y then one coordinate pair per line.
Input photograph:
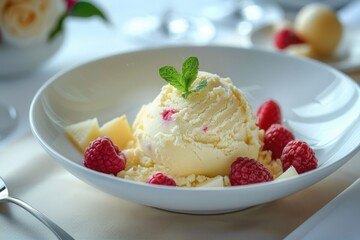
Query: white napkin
x,y
339,219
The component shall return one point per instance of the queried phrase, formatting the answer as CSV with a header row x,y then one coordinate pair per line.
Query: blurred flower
x,y
77,8
70,5
24,22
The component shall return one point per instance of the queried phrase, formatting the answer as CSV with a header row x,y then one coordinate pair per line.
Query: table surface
x,y
87,213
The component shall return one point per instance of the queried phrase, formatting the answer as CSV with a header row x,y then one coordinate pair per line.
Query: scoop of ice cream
x,y
202,134
320,27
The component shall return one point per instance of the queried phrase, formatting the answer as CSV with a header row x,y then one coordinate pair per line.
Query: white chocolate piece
x,y
302,50
217,181
118,130
290,172
82,133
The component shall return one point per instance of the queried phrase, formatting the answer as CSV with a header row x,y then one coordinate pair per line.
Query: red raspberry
x,y
275,139
300,155
167,114
286,37
103,156
248,171
268,113
160,179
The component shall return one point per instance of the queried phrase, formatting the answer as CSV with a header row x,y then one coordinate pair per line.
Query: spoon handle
x,y
59,232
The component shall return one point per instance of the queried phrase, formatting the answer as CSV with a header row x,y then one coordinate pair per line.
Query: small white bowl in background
x,y
16,60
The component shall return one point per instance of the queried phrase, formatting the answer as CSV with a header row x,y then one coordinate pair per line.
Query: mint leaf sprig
x,y
183,81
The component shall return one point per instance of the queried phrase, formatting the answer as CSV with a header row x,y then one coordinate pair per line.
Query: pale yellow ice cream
x,y
202,134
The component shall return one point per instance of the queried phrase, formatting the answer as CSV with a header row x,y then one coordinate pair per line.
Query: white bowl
x,y
19,60
319,103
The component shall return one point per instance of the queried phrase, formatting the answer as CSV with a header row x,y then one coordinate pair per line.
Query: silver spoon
x,y
4,196
8,120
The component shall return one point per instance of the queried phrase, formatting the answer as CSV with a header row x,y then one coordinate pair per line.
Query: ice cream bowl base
x,y
122,83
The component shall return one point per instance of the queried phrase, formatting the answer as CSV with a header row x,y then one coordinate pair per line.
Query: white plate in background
x,y
346,58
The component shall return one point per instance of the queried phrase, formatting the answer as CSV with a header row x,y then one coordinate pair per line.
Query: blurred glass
x,y
170,26
8,120
244,14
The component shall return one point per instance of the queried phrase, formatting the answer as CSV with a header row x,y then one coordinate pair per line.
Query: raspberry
x,y
300,155
167,114
275,139
160,179
248,171
285,38
268,113
103,156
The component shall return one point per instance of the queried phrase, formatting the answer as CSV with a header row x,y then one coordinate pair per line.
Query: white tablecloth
x,y
87,213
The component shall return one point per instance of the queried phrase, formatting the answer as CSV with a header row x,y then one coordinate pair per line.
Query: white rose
x,y
24,22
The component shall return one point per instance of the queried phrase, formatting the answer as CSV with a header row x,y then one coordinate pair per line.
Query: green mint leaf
x,y
86,9
186,95
58,28
183,81
200,86
190,69
172,76
80,9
